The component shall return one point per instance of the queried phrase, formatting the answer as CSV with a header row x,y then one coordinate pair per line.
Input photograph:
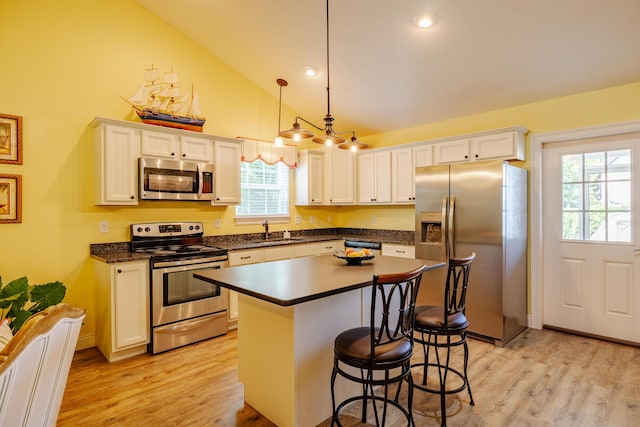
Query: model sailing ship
x,y
160,102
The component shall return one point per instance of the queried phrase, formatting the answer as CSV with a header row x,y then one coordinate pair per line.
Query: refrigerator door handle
x,y
443,228
451,227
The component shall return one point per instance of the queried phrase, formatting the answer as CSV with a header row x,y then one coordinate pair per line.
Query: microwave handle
x,y
200,180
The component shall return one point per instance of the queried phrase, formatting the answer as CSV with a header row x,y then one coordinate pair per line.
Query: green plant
x,y
19,300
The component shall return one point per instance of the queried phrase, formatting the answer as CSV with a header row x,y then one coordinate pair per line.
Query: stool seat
x,y
354,347
432,317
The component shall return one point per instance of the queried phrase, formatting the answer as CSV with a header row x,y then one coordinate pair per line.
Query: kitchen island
x,y
289,313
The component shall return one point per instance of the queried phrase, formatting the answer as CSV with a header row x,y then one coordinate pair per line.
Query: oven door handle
x,y
220,260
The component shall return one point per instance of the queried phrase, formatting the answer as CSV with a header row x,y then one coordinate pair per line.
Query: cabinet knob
x,y
466,157
184,155
173,154
119,271
133,197
477,156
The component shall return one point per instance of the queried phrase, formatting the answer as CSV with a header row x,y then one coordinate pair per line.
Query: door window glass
x,y
596,196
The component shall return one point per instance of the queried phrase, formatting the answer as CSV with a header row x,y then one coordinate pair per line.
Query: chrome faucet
x,y
266,230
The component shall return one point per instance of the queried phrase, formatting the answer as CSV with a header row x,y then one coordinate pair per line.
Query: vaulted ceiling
x,y
386,73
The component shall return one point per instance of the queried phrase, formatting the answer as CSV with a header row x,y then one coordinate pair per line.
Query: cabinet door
x,y
116,158
422,156
451,151
499,146
366,180
403,176
402,251
278,253
340,177
308,249
196,148
160,144
241,258
309,178
130,308
375,177
227,157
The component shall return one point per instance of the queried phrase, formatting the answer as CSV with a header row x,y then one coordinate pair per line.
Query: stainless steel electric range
x,y
184,309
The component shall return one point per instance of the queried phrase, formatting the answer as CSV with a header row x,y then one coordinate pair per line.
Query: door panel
x,y
591,221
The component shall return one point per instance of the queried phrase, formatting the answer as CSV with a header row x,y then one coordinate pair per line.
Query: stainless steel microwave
x,y
167,179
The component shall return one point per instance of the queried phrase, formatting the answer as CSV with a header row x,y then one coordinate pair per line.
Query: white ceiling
x,y
387,74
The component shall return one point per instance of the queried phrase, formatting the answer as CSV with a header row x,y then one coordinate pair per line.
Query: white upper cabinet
x,y
310,178
339,177
227,157
508,145
422,156
374,177
160,144
116,164
451,151
501,145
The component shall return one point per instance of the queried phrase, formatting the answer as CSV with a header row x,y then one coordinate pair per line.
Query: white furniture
x,y
171,146
339,182
404,162
402,251
502,145
122,308
116,165
119,144
227,155
374,177
310,178
34,367
285,348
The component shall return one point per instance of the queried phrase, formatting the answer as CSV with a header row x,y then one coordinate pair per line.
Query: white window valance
x,y
253,149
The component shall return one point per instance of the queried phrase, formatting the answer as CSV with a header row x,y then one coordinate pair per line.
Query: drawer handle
x,y
246,257
399,252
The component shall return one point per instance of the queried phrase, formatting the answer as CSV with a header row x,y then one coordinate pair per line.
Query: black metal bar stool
x,y
445,327
386,346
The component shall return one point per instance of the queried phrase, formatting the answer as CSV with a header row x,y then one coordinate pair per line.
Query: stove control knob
x,y
147,229
197,227
139,229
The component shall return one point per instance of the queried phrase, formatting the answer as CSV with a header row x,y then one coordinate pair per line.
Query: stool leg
x,y
334,418
466,362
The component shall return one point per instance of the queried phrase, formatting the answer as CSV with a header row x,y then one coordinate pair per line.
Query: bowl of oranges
x,y
354,256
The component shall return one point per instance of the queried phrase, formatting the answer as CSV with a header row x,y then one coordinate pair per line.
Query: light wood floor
x,y
542,378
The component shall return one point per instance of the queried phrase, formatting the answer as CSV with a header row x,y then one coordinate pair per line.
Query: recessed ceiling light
x,y
426,20
310,71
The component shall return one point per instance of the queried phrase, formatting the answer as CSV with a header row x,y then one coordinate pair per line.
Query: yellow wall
x,y
65,62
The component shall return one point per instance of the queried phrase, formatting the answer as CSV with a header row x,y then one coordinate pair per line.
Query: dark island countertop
x,y
298,280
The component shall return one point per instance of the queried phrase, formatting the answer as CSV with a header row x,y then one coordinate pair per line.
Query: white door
x,y
591,232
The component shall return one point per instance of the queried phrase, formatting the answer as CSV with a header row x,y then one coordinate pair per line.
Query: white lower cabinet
x,y
122,306
402,251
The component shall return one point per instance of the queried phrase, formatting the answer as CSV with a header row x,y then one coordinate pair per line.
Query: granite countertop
x,y
119,252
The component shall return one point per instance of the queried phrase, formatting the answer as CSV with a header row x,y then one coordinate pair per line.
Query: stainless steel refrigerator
x,y
477,207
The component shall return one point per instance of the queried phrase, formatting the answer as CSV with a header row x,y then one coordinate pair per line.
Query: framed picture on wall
x,y
10,198
10,139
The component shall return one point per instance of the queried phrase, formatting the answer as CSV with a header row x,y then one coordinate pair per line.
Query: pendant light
x,y
278,141
329,136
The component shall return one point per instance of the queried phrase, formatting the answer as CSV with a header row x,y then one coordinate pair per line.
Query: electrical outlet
x,y
312,219
216,223
104,226
298,220
373,219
